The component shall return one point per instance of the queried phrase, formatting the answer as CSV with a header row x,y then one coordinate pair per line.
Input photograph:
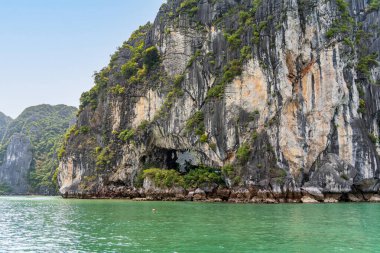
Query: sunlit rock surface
x,y
306,112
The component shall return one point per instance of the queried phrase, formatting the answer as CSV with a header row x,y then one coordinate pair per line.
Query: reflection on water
x,y
39,224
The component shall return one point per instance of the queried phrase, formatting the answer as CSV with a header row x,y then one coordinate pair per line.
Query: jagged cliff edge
x,y
261,101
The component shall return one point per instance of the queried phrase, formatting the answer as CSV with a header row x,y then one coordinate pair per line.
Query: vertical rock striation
x,y
280,99
15,169
4,122
28,157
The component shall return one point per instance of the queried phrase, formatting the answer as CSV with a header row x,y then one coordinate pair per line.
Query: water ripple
x,y
44,224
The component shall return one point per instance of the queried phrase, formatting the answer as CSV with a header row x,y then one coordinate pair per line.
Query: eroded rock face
x,y
333,175
299,102
4,123
28,145
14,170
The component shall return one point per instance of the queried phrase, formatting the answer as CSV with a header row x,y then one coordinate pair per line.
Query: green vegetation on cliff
x,y
366,63
374,5
4,189
342,25
4,122
196,177
164,178
44,126
219,83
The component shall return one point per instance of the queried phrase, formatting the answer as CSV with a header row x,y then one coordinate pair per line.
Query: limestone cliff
x,y
18,158
28,157
4,122
238,100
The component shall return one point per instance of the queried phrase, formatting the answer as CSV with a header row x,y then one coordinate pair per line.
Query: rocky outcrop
x,y
28,149
278,97
4,122
15,170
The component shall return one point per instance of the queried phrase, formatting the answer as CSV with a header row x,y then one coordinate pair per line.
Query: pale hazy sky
x,y
49,49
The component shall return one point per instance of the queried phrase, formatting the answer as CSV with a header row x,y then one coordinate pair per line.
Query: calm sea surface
x,y
52,224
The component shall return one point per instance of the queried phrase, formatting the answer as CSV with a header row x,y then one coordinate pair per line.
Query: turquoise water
x,y
52,224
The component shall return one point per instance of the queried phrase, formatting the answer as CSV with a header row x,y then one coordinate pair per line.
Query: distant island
x,y
28,149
